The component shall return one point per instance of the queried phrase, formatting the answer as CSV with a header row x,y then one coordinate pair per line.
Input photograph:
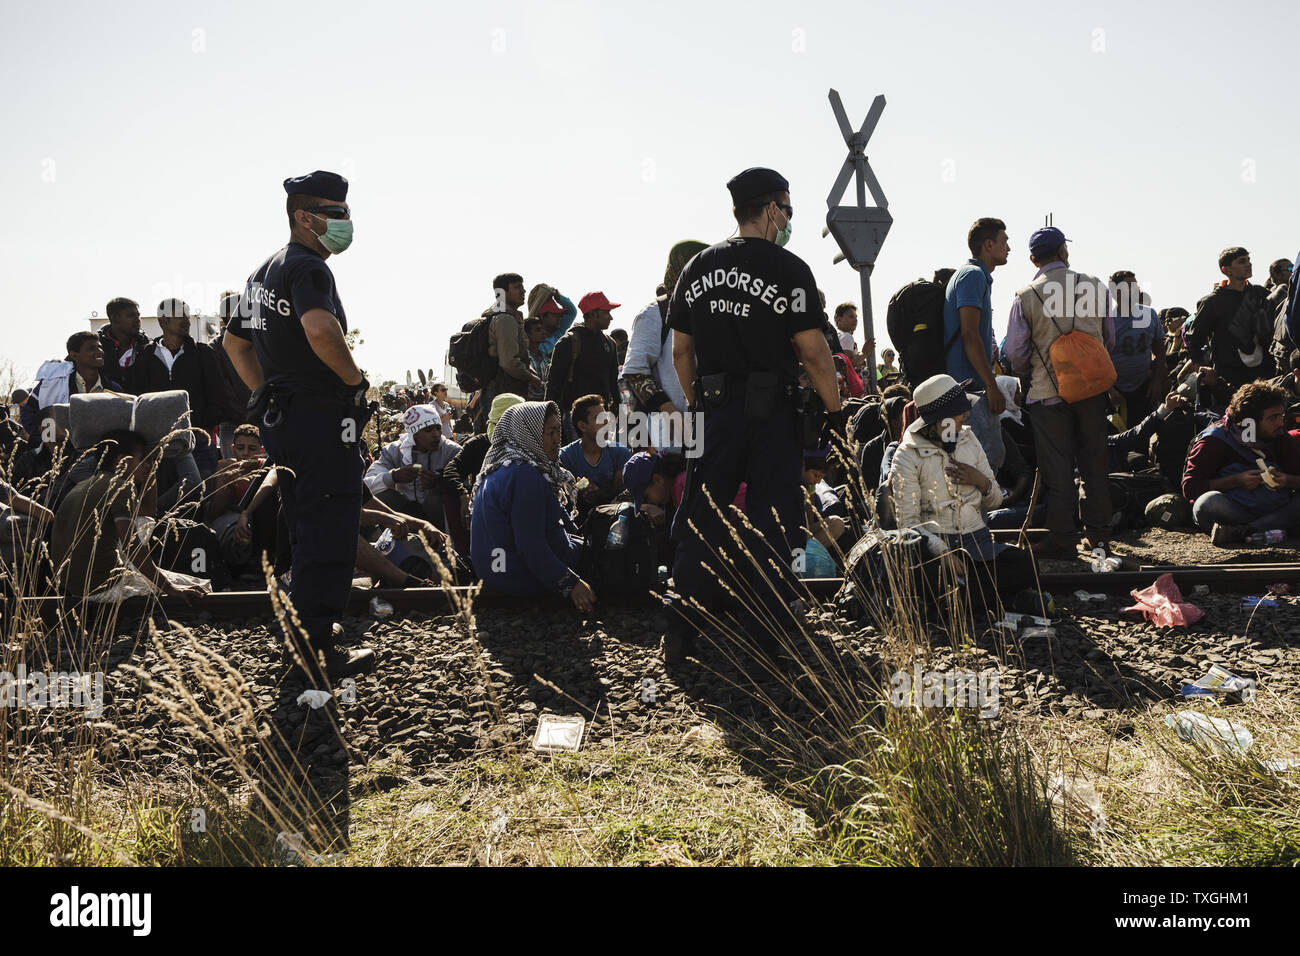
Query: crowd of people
x,y
1093,413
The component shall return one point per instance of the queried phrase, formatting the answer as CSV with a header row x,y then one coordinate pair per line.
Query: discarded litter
x,y
499,821
558,733
1162,604
1219,733
1220,681
315,698
1281,764
1106,565
1077,797
1279,588
1254,602
292,850
1038,632
1088,596
1022,620
1201,589
380,609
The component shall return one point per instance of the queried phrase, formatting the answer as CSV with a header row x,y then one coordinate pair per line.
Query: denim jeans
x,y
1214,507
988,429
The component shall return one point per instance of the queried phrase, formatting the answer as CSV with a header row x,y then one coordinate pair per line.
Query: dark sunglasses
x,y
332,212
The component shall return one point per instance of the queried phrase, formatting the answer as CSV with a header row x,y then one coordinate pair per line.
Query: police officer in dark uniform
x,y
740,310
309,400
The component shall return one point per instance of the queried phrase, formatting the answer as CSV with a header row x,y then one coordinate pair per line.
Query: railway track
x,y
232,605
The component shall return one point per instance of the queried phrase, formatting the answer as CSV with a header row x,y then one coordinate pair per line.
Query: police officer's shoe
x,y
679,640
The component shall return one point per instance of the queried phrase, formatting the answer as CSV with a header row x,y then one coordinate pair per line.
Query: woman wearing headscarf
x,y
522,540
941,478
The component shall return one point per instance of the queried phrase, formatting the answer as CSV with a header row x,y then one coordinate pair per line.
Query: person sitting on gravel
x,y
462,471
522,540
94,525
1242,472
230,516
941,482
600,462
408,475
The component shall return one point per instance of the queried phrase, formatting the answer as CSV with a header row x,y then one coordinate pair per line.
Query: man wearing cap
x,y
309,400
585,361
738,313
648,369
1058,301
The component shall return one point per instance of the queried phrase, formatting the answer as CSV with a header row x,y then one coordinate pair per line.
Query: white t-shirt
x,y
846,342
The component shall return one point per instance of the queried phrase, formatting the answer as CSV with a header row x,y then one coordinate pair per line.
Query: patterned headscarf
x,y
518,437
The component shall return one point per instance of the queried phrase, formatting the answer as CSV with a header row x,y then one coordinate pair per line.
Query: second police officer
x,y
739,312
309,401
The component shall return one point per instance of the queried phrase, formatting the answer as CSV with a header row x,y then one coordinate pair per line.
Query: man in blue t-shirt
x,y
968,330
1139,351
600,463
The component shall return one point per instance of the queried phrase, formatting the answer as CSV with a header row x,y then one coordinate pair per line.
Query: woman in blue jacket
x,y
522,540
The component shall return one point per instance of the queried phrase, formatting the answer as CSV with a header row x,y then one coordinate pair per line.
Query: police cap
x,y
754,182
320,183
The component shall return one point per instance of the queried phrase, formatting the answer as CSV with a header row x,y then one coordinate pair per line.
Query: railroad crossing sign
x,y
859,230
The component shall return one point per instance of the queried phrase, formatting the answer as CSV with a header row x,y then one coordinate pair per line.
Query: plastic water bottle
x,y
1266,537
618,531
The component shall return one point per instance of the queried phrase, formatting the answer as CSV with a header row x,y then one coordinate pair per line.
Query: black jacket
x,y
585,362
196,371
113,359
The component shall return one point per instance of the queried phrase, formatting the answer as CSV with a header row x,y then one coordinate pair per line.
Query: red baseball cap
x,y
595,300
550,306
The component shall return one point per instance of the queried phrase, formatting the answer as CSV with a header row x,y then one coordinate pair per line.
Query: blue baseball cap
x,y
1049,237
637,474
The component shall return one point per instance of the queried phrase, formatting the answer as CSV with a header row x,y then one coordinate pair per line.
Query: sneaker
x,y
1222,535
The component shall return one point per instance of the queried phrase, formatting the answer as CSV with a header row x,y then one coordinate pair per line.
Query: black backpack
x,y
178,544
1130,493
915,325
627,571
469,354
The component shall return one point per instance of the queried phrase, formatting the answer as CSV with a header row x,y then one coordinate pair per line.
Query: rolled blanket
x,y
155,416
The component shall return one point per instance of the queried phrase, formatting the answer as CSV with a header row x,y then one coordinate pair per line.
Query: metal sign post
x,y
859,230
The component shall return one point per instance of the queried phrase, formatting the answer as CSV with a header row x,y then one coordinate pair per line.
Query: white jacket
x,y
922,490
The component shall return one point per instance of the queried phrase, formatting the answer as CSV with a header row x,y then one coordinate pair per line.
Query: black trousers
x,y
1066,435
320,498
766,455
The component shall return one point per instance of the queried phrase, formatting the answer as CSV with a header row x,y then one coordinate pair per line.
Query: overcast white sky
x,y
144,144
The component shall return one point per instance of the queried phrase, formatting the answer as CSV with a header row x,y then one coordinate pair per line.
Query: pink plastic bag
x,y
1162,604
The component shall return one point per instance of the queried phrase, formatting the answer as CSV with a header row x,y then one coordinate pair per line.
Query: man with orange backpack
x,y
1060,332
